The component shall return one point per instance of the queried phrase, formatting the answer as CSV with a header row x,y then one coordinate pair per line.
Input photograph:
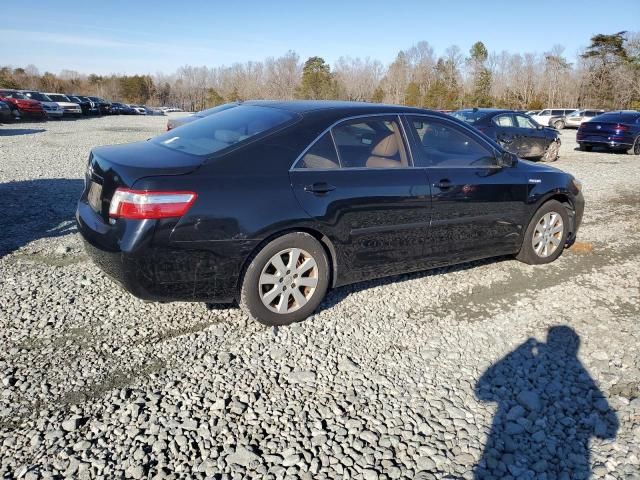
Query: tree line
x,y
605,75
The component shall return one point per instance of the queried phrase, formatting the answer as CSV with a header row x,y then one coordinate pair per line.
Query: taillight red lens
x,y
622,128
144,205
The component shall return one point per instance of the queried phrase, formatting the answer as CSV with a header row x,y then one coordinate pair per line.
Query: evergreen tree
x,y
412,95
481,94
317,81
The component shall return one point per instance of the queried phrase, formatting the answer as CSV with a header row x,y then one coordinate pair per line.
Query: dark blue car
x,y
619,131
516,132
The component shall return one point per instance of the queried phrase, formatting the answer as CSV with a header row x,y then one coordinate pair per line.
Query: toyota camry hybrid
x,y
272,203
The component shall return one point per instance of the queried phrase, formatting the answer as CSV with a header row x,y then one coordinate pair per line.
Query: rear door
x,y
478,208
358,181
532,141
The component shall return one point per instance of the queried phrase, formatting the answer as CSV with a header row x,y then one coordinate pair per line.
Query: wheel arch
x,y
325,241
565,199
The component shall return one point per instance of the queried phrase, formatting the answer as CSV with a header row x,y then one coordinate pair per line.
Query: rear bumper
x,y
182,271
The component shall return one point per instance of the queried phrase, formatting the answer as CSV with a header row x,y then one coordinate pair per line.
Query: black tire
x,y
250,296
558,124
635,150
586,148
527,253
552,153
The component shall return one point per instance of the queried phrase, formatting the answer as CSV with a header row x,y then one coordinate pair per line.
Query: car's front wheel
x,y
551,155
546,234
286,280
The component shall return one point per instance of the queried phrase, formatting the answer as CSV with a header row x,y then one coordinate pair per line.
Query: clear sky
x,y
141,36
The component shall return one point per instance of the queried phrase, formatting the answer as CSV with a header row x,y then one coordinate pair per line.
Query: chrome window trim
x,y
346,119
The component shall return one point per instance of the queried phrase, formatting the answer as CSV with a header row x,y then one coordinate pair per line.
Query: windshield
x,y
58,98
223,129
38,96
211,111
469,116
16,95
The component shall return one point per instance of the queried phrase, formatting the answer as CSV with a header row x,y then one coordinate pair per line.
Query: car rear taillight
x,y
622,128
144,205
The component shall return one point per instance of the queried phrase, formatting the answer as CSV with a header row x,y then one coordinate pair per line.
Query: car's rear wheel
x,y
551,155
286,280
558,124
546,234
585,148
635,150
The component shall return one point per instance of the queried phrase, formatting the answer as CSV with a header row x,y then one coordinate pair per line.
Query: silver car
x,y
574,119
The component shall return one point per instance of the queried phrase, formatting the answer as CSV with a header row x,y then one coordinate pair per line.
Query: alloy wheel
x,y
547,234
288,280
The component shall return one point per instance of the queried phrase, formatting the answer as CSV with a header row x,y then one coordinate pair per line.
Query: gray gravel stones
x,y
385,381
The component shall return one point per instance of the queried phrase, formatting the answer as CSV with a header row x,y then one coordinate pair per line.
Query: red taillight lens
x,y
144,205
622,128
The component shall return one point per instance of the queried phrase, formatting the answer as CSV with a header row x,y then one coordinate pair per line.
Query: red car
x,y
25,106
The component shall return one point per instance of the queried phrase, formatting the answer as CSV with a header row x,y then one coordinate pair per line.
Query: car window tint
x,y
223,129
504,121
446,145
321,155
524,122
371,143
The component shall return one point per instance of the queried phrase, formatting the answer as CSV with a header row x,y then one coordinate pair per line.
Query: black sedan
x,y
179,121
271,203
514,131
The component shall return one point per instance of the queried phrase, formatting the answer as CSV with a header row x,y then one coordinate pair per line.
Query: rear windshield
x,y
618,117
223,129
469,116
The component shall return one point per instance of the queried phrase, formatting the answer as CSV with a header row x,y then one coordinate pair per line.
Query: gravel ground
x,y
492,369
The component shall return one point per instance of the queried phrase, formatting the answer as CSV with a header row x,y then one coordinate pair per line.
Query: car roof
x,y
303,106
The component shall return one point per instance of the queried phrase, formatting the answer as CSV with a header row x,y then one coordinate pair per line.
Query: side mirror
x,y
539,127
508,159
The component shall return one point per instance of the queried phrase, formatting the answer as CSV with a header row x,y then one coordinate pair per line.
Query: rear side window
x,y
557,112
223,129
503,121
445,145
321,155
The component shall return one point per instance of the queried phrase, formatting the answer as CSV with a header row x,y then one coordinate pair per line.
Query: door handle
x,y
319,188
444,184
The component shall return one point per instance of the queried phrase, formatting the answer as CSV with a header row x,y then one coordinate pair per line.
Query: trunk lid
x,y
598,130
122,165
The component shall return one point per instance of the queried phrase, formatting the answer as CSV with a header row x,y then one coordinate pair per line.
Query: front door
x,y
478,207
530,138
359,183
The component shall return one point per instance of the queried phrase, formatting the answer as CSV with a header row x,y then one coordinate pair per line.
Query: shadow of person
x,y
549,407
33,209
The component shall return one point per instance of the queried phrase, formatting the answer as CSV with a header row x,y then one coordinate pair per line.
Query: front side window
x,y
503,121
223,129
446,145
524,122
374,142
545,112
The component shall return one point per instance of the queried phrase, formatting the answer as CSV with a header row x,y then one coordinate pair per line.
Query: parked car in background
x,y
177,122
6,113
138,109
51,108
575,119
118,108
22,105
87,106
618,131
104,106
153,111
349,199
515,132
544,116
70,109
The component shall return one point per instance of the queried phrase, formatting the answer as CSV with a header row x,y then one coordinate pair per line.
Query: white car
x,y
139,110
69,108
52,109
545,115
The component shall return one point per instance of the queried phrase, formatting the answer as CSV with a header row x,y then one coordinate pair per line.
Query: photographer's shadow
x,y
549,408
